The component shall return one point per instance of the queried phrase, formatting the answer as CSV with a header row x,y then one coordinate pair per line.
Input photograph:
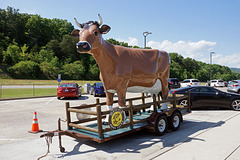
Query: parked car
x,y
190,82
217,83
173,83
97,89
234,86
225,83
69,90
205,96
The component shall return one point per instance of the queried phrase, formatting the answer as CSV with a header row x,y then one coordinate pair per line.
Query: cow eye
x,y
96,33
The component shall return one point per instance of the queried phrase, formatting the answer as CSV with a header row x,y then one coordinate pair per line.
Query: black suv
x,y
173,83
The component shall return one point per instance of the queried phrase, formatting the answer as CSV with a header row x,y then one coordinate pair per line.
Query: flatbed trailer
x,y
155,120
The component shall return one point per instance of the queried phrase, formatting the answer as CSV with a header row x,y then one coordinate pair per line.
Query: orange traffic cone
x,y
35,128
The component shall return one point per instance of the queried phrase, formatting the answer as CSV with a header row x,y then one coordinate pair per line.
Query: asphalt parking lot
x,y
204,134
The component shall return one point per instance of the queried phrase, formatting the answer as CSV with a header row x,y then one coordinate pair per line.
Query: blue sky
x,y
192,28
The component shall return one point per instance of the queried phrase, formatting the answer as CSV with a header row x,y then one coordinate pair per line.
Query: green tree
x,y
25,69
68,48
94,72
11,55
74,71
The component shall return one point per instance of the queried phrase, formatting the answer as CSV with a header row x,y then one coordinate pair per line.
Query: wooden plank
x,y
99,122
87,120
131,114
82,111
68,115
83,127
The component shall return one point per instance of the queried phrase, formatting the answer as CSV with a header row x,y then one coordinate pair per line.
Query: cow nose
x,y
83,46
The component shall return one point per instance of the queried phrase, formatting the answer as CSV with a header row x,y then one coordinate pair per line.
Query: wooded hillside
x,y
32,47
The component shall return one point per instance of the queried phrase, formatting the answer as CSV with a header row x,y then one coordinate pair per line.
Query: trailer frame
x,y
151,120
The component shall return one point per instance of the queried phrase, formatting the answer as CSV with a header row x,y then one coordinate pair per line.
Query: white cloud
x,y
195,50
232,60
131,41
199,51
32,11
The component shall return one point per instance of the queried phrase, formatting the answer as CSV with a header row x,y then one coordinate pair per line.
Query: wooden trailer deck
x,y
114,133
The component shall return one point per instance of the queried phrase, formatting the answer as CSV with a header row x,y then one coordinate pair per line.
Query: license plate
x,y
66,90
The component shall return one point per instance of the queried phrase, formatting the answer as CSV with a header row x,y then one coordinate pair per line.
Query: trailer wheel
x,y
175,121
161,125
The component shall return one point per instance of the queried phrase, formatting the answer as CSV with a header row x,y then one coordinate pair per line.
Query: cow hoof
x,y
105,123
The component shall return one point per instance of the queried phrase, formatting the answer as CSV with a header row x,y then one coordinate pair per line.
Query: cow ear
x,y
105,29
75,33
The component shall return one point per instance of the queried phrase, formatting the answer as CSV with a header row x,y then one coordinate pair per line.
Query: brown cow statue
x,y
123,69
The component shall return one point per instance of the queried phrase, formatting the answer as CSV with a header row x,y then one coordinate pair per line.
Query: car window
x,y
99,84
195,90
186,81
203,89
67,85
214,81
220,81
212,90
195,80
233,82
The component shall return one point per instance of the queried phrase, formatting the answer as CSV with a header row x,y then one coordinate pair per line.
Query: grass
x,y
27,92
7,93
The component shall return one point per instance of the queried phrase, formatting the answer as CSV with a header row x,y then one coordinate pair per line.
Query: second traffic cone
x,y
35,127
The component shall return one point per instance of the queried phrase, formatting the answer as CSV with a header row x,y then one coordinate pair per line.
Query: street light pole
x,y
211,64
145,37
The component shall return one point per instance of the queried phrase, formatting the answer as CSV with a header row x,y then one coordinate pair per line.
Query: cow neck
x,y
105,56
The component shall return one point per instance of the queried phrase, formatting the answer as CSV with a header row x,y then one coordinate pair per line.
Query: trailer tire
x,y
175,121
161,125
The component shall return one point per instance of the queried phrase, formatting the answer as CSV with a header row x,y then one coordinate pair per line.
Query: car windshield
x,y
68,85
220,81
99,84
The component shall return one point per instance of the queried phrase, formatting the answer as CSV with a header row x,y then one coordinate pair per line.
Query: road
x,y
204,134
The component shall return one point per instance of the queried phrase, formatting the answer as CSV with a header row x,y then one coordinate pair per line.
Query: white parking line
x,y
4,103
50,100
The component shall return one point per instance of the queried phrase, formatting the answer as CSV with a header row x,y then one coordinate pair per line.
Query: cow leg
x,y
122,97
109,98
164,92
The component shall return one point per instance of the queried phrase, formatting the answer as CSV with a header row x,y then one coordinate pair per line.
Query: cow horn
x,y
78,24
100,20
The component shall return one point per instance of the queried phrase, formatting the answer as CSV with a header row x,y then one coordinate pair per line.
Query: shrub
x,y
25,69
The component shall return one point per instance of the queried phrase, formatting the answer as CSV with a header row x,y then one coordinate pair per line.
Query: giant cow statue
x,y
123,69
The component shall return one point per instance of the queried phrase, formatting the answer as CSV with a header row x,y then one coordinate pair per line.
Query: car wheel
x,y
238,91
58,97
236,104
161,125
175,121
183,102
94,93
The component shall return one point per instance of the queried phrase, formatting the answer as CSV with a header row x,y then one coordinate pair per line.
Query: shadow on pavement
x,y
134,143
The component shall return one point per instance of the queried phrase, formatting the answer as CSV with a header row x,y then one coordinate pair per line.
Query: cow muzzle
x,y
83,46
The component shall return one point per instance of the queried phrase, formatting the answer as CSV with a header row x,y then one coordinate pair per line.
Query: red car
x,y
69,90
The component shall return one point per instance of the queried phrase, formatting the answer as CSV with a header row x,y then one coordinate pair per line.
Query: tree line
x,y
33,47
